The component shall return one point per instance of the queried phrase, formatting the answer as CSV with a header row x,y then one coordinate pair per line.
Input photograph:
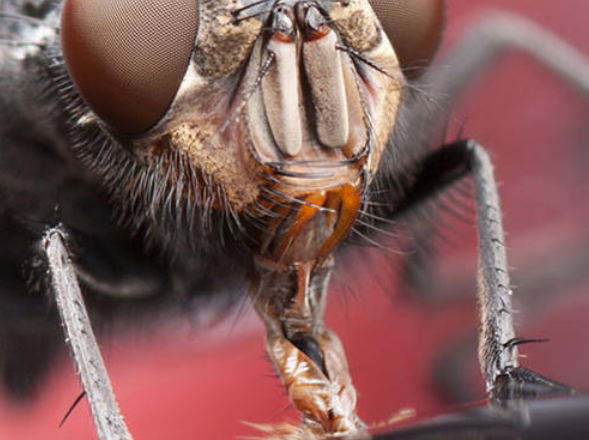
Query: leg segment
x,y
498,354
482,48
485,45
80,337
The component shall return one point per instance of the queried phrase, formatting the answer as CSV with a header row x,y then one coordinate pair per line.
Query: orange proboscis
x,y
350,200
307,211
344,202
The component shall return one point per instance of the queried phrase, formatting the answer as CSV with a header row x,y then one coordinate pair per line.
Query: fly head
x,y
271,114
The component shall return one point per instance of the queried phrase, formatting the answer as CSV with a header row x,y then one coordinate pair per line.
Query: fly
x,y
247,137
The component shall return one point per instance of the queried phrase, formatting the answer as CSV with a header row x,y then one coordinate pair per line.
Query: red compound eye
x,y
414,28
127,58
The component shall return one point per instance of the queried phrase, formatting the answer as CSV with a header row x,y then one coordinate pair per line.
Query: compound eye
x,y
127,58
414,28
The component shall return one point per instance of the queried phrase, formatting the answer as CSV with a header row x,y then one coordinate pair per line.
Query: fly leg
x,y
309,357
80,337
498,344
490,40
481,49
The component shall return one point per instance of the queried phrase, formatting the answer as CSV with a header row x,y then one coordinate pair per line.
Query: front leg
x,y
309,358
80,337
498,353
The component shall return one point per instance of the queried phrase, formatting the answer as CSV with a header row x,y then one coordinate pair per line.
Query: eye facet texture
x,y
414,28
127,58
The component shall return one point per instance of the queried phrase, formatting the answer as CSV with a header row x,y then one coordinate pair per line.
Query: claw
x,y
520,383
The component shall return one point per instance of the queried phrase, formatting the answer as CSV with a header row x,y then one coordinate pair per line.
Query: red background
x,y
179,383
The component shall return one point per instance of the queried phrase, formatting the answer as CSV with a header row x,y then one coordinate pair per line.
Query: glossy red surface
x,y
180,383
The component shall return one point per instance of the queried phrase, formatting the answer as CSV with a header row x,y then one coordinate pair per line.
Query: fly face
x,y
262,100
243,107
